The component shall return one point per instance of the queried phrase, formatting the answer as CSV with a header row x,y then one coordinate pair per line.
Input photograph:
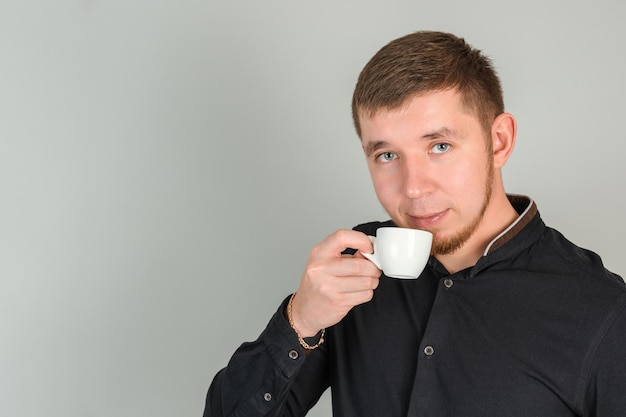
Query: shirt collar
x,y
519,235
527,209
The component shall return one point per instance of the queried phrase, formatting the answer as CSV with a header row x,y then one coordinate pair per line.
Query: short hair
x,y
423,62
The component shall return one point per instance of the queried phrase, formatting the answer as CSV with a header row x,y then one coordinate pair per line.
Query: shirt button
x,y
267,397
429,350
448,283
293,354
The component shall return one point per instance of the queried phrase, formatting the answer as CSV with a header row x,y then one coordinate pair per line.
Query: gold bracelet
x,y
303,343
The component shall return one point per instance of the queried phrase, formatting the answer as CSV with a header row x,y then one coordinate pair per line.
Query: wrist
x,y
302,334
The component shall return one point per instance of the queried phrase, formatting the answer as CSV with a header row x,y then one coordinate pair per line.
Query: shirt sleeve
x,y
606,391
271,376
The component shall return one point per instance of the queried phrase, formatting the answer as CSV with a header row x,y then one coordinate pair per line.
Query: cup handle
x,y
372,256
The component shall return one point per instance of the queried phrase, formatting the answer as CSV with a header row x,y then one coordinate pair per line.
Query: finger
x,y
342,239
357,298
352,266
346,285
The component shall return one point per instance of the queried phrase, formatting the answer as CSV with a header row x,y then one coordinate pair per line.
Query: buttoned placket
x,y
431,344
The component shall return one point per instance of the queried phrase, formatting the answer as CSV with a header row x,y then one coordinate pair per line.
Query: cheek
x,y
468,180
386,188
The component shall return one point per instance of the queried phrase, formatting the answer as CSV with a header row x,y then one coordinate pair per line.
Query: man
x,y
507,319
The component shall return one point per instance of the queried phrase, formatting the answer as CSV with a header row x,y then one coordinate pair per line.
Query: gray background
x,y
166,166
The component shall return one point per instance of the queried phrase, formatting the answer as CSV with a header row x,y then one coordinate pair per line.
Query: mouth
x,y
427,221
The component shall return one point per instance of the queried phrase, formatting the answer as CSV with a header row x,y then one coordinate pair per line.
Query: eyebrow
x,y
440,133
374,146
437,134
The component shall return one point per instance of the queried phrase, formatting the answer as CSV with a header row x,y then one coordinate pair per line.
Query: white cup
x,y
400,252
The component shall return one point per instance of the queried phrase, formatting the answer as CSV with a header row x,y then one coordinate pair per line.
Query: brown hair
x,y
423,62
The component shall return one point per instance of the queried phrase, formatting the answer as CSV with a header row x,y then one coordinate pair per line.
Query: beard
x,y
446,245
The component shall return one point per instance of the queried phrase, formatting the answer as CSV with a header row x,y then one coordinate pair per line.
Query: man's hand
x,y
334,283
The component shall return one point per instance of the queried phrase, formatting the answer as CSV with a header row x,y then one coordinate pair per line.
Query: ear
x,y
503,132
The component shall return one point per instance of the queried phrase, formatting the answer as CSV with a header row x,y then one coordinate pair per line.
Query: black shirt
x,y
536,328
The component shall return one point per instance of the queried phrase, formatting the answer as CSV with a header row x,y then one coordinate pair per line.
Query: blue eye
x,y
441,148
386,156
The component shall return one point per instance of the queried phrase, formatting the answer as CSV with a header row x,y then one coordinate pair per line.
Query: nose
x,y
417,180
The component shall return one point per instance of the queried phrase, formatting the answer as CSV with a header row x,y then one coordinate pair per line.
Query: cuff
x,y
282,342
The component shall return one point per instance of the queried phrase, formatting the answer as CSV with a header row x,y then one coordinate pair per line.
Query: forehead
x,y
419,114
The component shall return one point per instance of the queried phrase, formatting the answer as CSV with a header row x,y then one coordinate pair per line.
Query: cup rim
x,y
403,228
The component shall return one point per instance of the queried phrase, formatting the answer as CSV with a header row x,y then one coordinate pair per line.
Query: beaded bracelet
x,y
303,343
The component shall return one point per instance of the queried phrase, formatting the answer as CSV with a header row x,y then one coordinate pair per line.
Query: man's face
x,y
430,166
